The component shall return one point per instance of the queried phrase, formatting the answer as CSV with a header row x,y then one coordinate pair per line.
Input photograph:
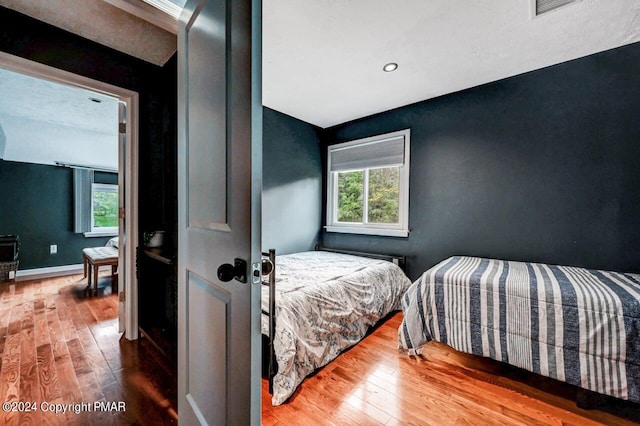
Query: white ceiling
x,y
323,59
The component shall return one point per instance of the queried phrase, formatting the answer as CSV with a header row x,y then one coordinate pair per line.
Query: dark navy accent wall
x,y
37,41
292,184
37,205
540,167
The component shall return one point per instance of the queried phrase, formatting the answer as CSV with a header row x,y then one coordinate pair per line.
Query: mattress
x,y
325,303
572,324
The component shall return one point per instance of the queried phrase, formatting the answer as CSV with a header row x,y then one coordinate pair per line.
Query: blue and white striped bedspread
x,y
576,325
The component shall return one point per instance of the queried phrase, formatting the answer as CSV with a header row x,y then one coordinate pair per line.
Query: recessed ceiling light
x,y
96,100
391,66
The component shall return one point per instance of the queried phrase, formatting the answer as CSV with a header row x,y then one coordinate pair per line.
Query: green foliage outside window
x,y
105,209
384,195
350,195
383,199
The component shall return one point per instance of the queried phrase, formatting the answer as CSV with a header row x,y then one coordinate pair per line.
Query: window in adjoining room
x,y
104,208
368,185
96,205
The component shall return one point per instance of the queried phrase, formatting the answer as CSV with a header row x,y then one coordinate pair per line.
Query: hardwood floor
x,y
374,383
60,346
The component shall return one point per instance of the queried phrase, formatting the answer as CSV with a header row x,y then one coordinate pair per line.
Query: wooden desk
x,y
95,257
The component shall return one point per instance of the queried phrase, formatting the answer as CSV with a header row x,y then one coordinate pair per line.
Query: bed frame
x,y
600,357
269,363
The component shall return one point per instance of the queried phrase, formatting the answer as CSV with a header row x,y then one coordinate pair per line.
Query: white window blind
x,y
381,153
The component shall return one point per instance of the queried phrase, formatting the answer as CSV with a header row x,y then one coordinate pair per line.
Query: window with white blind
x,y
368,185
95,205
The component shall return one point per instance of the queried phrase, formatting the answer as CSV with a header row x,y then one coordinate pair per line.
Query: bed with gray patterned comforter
x,y
325,303
575,325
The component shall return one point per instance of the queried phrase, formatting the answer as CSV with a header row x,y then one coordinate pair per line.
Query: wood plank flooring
x,y
374,383
60,346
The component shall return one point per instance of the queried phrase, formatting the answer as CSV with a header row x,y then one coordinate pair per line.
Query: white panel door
x,y
219,173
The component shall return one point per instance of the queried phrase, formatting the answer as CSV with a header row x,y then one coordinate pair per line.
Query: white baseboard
x,y
52,271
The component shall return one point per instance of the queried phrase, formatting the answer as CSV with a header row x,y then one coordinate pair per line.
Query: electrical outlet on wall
x,y
53,249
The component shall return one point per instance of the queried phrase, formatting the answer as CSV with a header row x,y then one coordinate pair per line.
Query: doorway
x,y
127,176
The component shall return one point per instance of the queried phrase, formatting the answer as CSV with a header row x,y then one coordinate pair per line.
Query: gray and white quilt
x,y
575,325
325,303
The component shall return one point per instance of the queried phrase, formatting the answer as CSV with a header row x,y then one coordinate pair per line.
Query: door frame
x,y
127,275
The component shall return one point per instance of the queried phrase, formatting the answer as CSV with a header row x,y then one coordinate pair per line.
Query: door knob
x,y
238,270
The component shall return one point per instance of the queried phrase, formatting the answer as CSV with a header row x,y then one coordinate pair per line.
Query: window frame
x,y
104,230
400,229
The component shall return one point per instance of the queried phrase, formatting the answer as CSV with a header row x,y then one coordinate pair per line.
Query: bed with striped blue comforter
x,y
572,324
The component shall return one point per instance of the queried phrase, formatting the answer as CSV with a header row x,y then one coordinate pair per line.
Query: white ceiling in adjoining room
x,y
45,122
